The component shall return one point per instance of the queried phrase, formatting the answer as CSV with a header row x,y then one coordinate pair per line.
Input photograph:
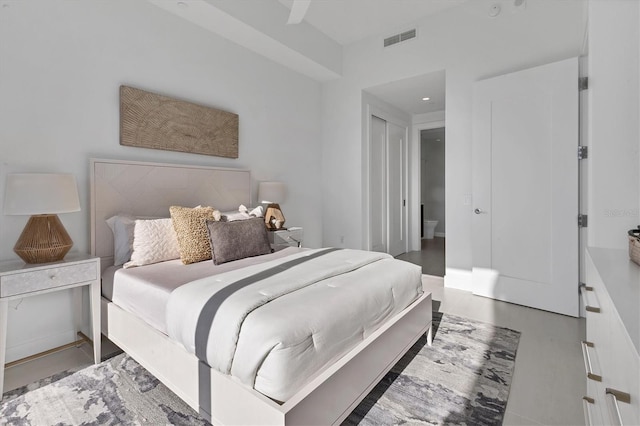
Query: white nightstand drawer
x,y
26,282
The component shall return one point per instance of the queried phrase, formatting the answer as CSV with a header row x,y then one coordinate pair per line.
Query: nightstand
x,y
19,280
287,237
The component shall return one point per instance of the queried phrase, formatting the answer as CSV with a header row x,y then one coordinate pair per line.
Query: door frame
x,y
374,110
415,181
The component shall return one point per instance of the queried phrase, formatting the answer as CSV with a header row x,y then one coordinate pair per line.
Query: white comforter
x,y
274,333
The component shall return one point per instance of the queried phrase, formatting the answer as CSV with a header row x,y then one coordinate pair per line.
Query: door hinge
x,y
582,220
583,152
583,83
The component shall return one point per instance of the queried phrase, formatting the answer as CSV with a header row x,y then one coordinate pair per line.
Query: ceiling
x,y
407,94
259,26
347,21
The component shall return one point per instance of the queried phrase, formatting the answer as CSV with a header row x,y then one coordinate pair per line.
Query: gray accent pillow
x,y
238,239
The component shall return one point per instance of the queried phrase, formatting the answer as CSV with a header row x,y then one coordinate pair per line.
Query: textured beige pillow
x,y
191,229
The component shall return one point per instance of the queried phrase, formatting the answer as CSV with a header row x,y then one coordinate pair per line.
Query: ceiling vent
x,y
394,39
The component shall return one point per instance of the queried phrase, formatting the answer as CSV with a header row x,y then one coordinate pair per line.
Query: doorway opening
x,y
419,104
431,255
432,198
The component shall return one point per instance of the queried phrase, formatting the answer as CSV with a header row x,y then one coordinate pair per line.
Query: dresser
x,y
19,280
611,297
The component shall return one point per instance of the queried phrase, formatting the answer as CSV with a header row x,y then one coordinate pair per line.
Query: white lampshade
x,y
40,193
272,192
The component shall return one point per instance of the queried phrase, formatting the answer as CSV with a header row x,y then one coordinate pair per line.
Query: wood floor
x,y
549,380
430,257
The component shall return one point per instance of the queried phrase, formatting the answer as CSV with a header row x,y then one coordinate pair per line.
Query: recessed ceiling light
x,y
182,5
425,99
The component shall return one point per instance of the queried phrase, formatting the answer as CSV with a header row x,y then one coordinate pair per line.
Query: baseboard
x,y
459,279
35,346
432,280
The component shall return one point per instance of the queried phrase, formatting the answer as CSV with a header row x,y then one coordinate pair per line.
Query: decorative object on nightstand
x,y
43,196
634,245
287,237
273,193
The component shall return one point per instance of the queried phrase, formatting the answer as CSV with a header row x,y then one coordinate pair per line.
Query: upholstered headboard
x,y
149,189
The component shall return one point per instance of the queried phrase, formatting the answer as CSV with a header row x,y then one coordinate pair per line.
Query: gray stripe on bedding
x,y
208,314
204,390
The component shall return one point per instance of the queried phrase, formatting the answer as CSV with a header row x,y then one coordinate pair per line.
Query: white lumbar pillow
x,y
153,241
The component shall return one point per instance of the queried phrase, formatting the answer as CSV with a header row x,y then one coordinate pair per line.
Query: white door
x,y
396,189
525,187
378,184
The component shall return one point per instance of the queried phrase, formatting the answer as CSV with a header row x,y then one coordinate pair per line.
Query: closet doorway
x,y
388,186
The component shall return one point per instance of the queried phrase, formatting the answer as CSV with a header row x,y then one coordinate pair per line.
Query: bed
x,y
326,394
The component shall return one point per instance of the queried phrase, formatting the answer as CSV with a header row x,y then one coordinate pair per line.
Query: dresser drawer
x,y
30,281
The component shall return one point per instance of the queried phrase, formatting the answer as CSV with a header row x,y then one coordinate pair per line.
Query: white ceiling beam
x,y
298,10
260,27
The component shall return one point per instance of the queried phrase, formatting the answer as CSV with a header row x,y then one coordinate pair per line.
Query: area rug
x,y
463,378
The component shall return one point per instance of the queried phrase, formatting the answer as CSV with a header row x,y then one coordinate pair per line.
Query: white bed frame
x,y
148,189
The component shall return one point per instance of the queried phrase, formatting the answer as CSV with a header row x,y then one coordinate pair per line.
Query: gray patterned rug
x,y
463,378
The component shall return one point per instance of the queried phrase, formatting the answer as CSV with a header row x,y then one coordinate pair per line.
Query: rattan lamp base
x,y
43,240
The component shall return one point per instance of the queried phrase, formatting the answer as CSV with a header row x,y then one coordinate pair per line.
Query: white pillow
x,y
122,227
233,216
154,241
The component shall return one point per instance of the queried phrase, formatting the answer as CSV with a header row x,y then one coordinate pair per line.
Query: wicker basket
x,y
634,245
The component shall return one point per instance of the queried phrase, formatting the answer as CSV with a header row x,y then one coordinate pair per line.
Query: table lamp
x,y
43,196
272,193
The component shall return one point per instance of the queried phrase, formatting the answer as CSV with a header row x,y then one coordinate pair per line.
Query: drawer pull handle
x,y
619,395
614,396
586,403
587,362
583,290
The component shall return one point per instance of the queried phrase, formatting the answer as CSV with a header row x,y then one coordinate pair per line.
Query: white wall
x,y
614,136
62,63
469,45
